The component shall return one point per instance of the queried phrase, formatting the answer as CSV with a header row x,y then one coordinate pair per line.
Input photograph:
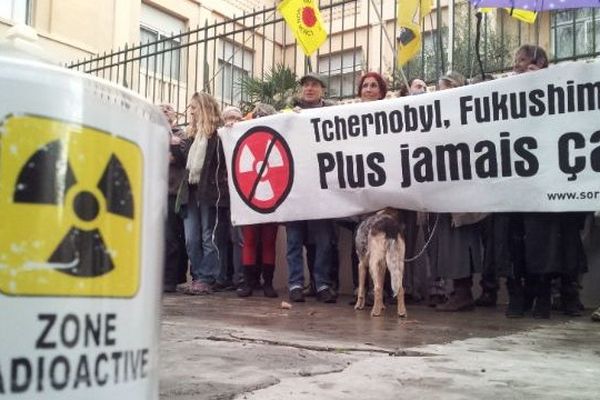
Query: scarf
x,y
196,156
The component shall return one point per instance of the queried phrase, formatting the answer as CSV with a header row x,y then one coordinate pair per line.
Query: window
x,y
18,11
158,57
575,32
235,62
343,71
162,56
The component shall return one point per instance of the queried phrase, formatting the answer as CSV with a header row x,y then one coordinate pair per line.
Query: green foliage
x,y
276,88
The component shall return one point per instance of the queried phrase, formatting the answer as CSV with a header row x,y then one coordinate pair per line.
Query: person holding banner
x,y
552,245
455,251
266,234
321,232
371,87
417,86
232,115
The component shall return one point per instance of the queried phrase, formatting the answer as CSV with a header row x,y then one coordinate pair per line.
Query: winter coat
x,y
536,243
553,243
454,252
179,153
302,104
212,189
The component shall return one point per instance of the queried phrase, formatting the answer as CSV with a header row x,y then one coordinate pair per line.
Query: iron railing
x,y
216,57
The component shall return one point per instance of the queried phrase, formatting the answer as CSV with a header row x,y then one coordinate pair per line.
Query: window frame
x,y
336,77
226,61
572,23
28,10
170,73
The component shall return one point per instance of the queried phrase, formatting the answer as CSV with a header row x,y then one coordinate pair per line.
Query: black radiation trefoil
x,y
46,177
38,182
86,250
116,188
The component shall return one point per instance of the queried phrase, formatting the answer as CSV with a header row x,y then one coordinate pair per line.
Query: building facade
x,y
165,49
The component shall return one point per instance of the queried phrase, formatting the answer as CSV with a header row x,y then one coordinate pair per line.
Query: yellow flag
x,y
426,7
304,19
521,15
409,33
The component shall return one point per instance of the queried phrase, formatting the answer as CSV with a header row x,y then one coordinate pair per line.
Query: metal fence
x,y
220,55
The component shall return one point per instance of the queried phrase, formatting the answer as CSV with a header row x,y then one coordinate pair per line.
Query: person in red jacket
x,y
258,241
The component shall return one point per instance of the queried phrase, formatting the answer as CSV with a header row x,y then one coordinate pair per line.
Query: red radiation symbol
x,y
263,169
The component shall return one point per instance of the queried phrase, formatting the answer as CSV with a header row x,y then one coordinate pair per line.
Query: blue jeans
x,y
319,232
205,252
193,237
237,241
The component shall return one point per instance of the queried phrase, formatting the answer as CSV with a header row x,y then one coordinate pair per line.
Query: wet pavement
x,y
224,347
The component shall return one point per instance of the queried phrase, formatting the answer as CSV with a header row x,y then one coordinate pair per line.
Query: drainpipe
x,y
451,34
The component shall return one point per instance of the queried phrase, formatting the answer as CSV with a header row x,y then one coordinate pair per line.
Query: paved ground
x,y
223,347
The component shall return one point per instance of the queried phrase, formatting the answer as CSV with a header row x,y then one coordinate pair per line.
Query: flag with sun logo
x,y
410,14
304,19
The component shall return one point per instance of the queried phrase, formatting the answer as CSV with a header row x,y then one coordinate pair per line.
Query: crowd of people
x,y
540,256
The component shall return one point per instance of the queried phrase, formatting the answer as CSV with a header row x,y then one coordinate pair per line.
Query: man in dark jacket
x,y
175,252
319,232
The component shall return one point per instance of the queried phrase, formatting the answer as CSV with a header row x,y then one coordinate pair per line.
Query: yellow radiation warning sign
x,y
70,206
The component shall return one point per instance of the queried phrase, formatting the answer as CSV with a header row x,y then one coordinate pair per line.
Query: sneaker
x,y
296,295
326,295
183,287
198,288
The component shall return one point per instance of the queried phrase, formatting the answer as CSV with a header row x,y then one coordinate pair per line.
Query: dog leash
x,y
437,217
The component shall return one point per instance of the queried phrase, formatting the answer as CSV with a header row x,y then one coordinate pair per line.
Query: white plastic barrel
x,y
83,184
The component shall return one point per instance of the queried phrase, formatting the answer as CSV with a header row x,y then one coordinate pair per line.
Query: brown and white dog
x,y
380,245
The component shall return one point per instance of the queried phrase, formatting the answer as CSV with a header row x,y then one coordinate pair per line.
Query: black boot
x,y
256,282
543,298
569,296
515,298
250,278
267,273
529,292
489,290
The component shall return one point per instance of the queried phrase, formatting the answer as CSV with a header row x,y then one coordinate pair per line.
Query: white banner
x,y
526,143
